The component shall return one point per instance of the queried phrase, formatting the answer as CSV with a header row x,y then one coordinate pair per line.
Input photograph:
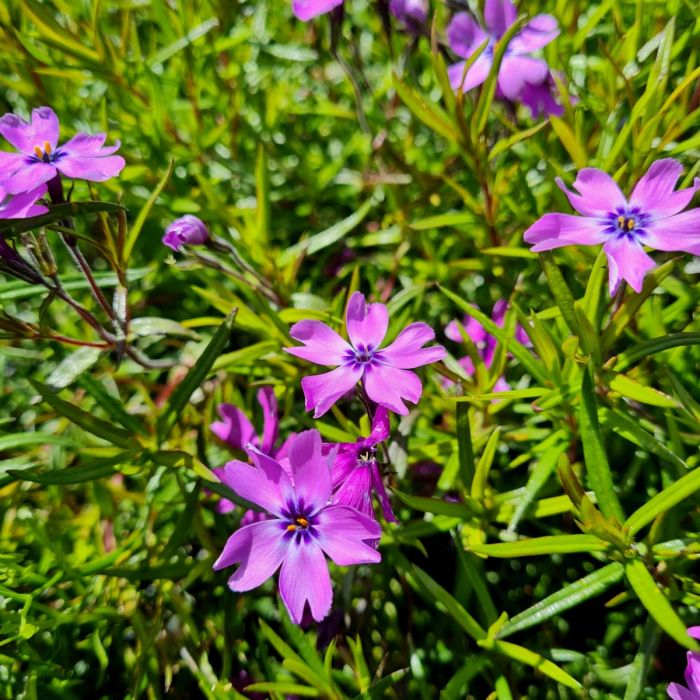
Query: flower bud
x,y
187,230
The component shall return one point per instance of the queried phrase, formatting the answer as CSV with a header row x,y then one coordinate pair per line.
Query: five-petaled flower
x,y
355,471
383,371
485,343
649,218
22,206
40,158
302,527
187,230
518,68
308,9
236,430
692,675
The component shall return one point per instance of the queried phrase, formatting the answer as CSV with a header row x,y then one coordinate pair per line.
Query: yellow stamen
x,y
47,147
303,522
630,224
621,221
291,528
38,151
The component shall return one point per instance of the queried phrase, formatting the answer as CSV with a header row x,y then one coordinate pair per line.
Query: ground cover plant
x,y
349,349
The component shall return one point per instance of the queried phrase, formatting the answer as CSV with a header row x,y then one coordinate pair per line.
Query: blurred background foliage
x,y
108,531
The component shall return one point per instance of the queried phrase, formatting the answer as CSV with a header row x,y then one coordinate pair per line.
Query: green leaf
x,y
377,691
537,546
484,466
465,450
531,658
647,348
560,292
57,212
594,454
112,406
651,636
632,389
285,688
153,326
568,597
72,475
197,374
435,505
428,112
657,603
435,593
568,139
96,426
671,496
72,366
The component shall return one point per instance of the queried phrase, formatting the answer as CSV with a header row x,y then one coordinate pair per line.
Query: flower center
x,y
43,154
625,223
364,354
300,523
366,454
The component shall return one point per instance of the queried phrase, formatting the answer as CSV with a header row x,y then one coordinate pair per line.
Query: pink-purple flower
x,y
691,691
187,230
40,158
308,9
518,69
22,206
384,372
302,529
485,343
651,217
236,430
355,471
411,13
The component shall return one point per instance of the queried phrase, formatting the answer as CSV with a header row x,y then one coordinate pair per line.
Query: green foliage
x,y
561,513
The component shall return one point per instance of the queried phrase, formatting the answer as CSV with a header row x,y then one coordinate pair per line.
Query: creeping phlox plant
x,y
181,497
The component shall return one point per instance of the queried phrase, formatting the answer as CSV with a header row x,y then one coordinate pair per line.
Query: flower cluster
x,y
316,497
521,76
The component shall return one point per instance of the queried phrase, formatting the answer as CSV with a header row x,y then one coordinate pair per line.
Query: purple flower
x,y
302,527
411,13
355,471
485,343
236,430
40,158
692,675
650,218
384,372
308,9
518,67
22,206
540,99
187,230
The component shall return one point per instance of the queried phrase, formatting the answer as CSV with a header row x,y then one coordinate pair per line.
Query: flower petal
x,y
677,692
322,344
21,206
627,261
323,390
465,35
356,490
654,193
10,163
499,15
24,137
557,230
541,99
407,352
343,464
89,146
517,71
476,74
29,177
308,9
680,232
310,470
94,169
265,484
268,401
382,496
304,577
260,548
538,32
366,323
342,534
599,193
234,429
380,427
388,386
